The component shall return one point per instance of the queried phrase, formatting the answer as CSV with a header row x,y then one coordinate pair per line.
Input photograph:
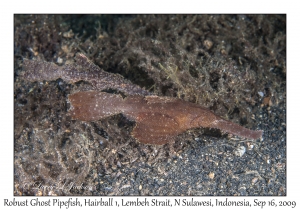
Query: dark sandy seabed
x,y
234,65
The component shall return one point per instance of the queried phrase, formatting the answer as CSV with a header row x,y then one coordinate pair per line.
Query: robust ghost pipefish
x,y
158,119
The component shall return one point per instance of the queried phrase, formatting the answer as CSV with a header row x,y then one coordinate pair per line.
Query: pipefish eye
x,y
204,119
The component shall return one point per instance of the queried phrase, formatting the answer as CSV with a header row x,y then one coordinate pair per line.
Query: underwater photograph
x,y
150,105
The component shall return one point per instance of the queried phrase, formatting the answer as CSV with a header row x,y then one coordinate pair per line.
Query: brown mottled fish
x,y
82,70
158,119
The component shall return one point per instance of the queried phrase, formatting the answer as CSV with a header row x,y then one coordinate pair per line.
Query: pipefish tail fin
x,y
93,105
36,70
82,69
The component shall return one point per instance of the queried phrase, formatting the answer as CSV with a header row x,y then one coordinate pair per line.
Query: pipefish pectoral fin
x,y
155,128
